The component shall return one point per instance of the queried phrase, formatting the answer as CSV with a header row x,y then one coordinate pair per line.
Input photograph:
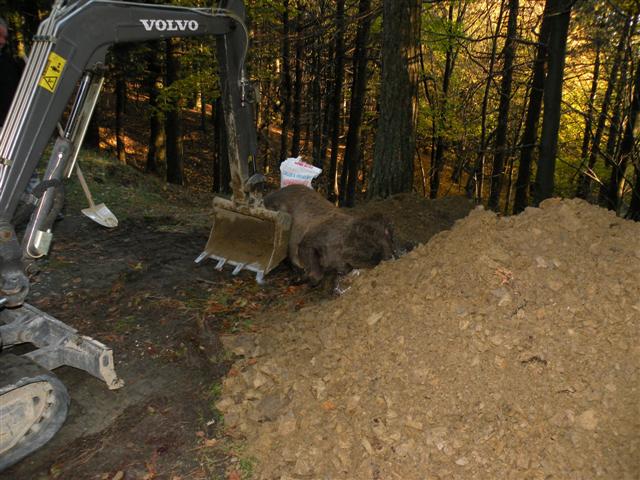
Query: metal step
x,y
57,343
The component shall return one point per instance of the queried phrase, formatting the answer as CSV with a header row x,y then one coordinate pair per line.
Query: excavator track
x,y
33,407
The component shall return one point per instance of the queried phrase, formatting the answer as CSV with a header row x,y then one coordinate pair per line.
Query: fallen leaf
x,y
234,475
505,275
328,405
210,442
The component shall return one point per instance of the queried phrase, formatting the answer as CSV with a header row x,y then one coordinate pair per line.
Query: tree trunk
x,y
221,169
156,153
173,119
316,102
92,137
318,68
203,111
121,100
327,113
588,121
634,208
476,179
584,185
332,187
439,142
530,133
297,90
544,184
285,88
395,138
626,148
606,197
617,179
512,157
265,117
349,175
497,172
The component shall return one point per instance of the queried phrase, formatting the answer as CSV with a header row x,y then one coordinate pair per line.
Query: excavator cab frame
x,y
68,55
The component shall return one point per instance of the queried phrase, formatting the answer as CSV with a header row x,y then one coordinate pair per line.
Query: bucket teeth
x,y
221,263
247,237
238,269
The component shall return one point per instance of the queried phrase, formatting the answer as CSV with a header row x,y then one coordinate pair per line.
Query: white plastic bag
x,y
294,170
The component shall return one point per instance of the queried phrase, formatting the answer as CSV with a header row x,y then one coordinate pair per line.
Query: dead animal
x,y
327,240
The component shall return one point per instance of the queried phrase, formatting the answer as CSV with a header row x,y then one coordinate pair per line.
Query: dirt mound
x,y
504,348
416,219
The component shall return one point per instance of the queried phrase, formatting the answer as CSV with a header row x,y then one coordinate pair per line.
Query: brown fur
x,y
325,239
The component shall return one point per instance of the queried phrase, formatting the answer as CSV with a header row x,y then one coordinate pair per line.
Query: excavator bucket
x,y
244,234
247,237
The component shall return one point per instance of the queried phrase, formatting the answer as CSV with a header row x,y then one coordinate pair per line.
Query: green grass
x,y
215,390
130,193
125,324
57,263
246,467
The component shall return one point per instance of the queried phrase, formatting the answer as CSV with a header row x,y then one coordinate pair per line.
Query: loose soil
x,y
503,348
137,289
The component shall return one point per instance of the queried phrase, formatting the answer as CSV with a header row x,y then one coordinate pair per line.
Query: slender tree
x,y
156,153
530,133
332,193
327,113
173,117
439,140
221,168
500,147
476,179
607,197
92,137
348,179
627,149
285,87
121,100
544,185
584,185
316,92
395,138
297,88
588,121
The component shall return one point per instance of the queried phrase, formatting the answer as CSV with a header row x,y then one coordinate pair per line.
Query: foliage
x,y
467,38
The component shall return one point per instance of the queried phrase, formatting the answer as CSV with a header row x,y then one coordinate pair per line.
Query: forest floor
x,y
137,289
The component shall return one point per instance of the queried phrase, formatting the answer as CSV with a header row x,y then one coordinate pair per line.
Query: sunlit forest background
x,y
505,101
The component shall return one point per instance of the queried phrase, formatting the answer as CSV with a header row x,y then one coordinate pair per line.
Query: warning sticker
x,y
51,75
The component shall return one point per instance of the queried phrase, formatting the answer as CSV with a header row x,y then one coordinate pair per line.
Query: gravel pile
x,y
503,348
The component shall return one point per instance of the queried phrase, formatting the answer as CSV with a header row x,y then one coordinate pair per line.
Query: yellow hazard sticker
x,y
52,72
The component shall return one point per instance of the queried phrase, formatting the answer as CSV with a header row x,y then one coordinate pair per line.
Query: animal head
x,y
338,246
368,242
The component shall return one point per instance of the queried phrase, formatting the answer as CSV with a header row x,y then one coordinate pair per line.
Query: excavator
x,y
60,85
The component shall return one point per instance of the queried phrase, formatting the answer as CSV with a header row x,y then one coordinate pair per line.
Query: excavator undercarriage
x,y
67,57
